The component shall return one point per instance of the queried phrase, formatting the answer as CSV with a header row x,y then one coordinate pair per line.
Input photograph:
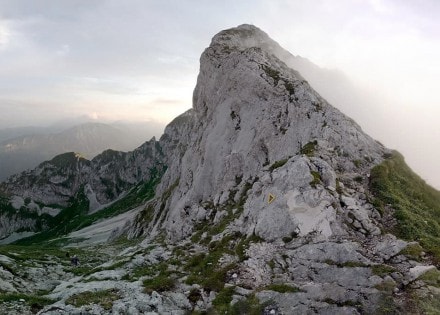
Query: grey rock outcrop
x,y
264,154
250,112
55,184
107,175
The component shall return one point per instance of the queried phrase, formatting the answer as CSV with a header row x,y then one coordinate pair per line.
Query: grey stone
x,y
389,246
417,271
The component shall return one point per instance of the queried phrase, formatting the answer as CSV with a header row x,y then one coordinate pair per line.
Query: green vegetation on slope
x,y
250,305
309,148
277,164
75,216
35,302
416,204
105,298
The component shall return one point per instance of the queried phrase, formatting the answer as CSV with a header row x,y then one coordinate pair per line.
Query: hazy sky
x,y
139,59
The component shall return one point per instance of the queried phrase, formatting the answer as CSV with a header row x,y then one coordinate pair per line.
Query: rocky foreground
x,y
231,276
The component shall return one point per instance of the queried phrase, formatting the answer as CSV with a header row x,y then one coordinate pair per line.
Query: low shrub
x,y
104,298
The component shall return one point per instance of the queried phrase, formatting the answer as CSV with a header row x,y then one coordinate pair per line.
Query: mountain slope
x,y
268,158
271,201
250,111
70,186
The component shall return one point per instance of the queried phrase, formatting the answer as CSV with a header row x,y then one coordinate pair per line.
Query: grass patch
x,y
249,306
82,270
382,270
387,306
290,88
104,298
277,164
422,303
413,251
386,286
271,264
349,264
194,296
223,300
117,265
161,283
35,302
205,269
357,163
316,178
147,270
30,256
243,244
358,179
416,204
41,253
274,74
429,305
431,277
309,149
233,211
211,279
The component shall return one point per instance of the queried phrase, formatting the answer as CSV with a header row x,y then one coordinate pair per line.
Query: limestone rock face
x,y
250,111
297,208
262,155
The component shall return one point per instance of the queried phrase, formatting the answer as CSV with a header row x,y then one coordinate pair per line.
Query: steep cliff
x,y
263,164
251,114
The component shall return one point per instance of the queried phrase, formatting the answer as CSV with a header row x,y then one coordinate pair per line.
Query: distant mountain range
x,y
24,148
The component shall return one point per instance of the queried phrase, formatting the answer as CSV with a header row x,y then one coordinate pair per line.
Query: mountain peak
x,y
242,37
251,112
67,159
247,36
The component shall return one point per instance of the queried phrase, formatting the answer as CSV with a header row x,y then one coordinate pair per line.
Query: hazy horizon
x,y
139,60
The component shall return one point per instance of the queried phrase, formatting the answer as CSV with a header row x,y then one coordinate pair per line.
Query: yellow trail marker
x,y
270,198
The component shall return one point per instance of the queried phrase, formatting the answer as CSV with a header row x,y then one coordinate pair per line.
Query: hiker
x,y
74,260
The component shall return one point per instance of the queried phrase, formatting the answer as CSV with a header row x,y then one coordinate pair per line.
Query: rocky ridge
x,y
25,148
265,206
54,185
251,114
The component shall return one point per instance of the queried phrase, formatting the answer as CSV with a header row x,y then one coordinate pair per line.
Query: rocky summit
x,y
261,199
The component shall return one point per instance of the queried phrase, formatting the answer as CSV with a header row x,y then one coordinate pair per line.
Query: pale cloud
x,y
381,6
63,50
4,35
